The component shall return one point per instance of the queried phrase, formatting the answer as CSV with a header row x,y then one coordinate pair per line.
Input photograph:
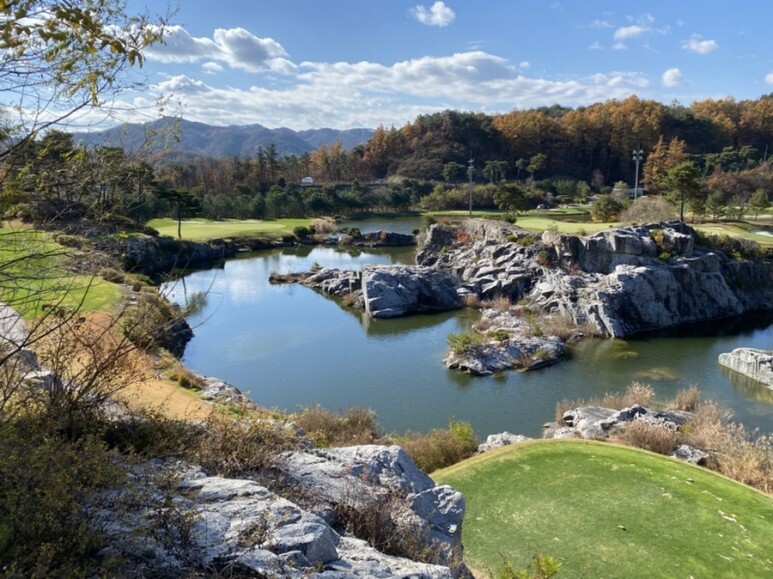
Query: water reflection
x,y
747,386
289,346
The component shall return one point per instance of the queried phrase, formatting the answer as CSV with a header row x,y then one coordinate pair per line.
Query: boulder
x,y
494,441
383,478
240,526
398,290
691,454
517,352
756,364
594,422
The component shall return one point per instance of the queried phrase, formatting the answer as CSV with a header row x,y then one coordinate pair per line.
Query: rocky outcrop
x,y
620,282
154,255
378,239
398,290
500,440
241,527
382,483
507,341
597,423
756,364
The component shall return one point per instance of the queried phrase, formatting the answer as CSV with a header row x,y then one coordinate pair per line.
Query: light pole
x,y
470,171
638,155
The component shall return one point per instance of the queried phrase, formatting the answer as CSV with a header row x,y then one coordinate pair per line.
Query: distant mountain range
x,y
198,139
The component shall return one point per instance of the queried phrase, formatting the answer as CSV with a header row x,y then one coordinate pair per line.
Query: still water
x,y
289,347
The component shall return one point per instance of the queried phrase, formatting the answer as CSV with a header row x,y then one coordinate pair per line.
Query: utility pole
x,y
470,171
638,155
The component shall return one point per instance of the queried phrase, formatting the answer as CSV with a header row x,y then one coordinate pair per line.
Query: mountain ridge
x,y
200,139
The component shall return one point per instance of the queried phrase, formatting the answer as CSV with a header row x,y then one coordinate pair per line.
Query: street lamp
x,y
470,171
638,155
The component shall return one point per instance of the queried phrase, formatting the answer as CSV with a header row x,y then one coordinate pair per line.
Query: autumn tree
x,y
60,59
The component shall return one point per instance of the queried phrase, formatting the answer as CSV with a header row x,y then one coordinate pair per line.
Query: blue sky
x,y
360,63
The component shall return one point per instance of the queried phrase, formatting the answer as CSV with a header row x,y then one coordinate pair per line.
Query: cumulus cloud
x,y
629,32
438,15
525,64
235,47
366,94
212,68
698,46
769,78
673,77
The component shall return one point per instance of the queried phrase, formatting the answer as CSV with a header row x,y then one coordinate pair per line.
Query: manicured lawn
x,y
608,511
736,229
202,229
33,277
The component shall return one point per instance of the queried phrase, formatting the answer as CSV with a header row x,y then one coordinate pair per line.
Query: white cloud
x,y
438,15
366,94
600,24
212,68
769,78
235,47
673,77
524,64
630,32
698,46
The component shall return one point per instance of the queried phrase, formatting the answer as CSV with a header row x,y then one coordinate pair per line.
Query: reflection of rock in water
x,y
750,388
659,374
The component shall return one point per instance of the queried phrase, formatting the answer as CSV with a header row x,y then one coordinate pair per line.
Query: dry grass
x,y
234,446
738,454
324,225
472,301
687,400
326,428
636,393
349,299
501,303
440,448
652,437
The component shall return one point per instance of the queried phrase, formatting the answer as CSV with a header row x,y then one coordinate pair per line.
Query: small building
x,y
307,181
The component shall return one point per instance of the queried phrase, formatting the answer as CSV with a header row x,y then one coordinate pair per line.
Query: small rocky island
x,y
756,364
537,292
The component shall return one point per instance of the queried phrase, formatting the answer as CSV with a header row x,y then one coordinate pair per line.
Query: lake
x,y
289,347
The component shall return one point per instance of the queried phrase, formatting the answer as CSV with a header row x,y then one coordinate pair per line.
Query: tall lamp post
x,y
638,155
470,171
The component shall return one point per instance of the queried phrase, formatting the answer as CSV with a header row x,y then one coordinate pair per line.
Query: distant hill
x,y
198,139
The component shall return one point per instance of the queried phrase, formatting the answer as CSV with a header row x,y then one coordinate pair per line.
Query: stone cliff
x,y
621,282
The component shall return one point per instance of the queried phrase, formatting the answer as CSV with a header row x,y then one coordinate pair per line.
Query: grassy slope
x,y
570,499
33,275
202,229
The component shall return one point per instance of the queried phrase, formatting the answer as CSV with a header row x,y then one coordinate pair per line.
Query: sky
x,y
343,64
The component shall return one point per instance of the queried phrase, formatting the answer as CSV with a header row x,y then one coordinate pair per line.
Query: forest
x,y
512,161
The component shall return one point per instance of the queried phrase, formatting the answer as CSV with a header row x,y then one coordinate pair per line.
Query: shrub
x,y
499,336
472,301
499,303
440,448
301,231
324,225
327,428
465,343
236,446
649,209
543,567
112,275
687,399
652,437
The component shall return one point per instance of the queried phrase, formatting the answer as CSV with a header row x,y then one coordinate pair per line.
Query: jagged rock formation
x,y
594,422
756,364
398,290
620,281
385,479
241,526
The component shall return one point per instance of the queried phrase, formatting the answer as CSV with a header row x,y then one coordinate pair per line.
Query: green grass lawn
x,y
203,229
608,511
736,229
33,277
